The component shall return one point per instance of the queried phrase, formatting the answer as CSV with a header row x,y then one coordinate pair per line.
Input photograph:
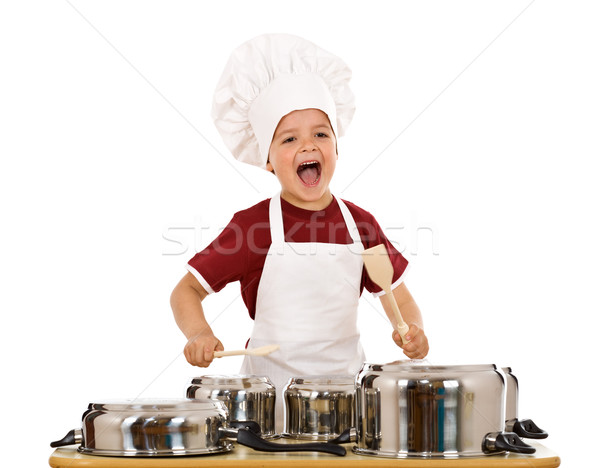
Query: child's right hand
x,y
200,348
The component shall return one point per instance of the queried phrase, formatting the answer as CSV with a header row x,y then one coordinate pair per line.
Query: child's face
x,y
303,156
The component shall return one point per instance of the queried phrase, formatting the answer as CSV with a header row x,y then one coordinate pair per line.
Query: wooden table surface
x,y
68,457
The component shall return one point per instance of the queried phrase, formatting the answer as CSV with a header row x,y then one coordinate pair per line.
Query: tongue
x,y
309,175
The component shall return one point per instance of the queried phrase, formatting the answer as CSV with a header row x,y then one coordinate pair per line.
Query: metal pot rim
x,y
155,453
421,366
222,379
422,455
144,405
321,380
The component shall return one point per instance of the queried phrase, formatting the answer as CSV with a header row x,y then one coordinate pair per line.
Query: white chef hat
x,y
270,76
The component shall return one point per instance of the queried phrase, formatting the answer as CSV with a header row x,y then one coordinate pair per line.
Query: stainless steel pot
x,y
247,397
318,407
150,428
522,427
413,409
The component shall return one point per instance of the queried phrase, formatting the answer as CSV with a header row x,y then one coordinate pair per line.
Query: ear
x,y
269,167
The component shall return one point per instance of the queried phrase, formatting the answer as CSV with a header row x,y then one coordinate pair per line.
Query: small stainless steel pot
x,y
247,397
412,409
318,407
522,427
151,428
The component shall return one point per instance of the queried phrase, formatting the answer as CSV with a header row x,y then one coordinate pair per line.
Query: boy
x,y
281,104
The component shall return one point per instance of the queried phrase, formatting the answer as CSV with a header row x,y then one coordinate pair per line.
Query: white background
x,y
473,144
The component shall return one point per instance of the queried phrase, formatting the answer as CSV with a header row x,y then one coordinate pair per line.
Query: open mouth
x,y
309,172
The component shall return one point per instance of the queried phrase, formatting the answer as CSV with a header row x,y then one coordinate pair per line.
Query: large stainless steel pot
x,y
318,407
150,428
409,408
522,427
247,397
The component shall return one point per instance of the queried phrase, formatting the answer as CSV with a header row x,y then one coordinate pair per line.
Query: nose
x,y
308,145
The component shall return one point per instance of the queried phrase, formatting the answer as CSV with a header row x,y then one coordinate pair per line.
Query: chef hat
x,y
270,76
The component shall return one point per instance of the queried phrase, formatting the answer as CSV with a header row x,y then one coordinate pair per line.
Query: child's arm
x,y
417,346
186,302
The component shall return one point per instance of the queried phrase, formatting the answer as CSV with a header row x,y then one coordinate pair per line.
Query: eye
x,y
289,140
322,135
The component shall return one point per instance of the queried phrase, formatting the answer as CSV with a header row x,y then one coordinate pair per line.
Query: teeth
x,y
308,163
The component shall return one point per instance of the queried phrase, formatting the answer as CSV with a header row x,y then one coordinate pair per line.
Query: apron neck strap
x,y
350,223
276,220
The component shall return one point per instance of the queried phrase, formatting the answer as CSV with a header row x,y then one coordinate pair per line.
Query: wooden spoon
x,y
380,270
262,351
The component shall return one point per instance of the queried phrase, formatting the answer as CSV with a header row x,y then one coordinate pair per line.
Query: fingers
x,y
396,337
195,355
208,356
199,350
416,346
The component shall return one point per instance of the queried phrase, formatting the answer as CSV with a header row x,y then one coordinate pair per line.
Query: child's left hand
x,y
417,345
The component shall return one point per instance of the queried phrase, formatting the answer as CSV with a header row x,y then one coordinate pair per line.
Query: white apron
x,y
307,303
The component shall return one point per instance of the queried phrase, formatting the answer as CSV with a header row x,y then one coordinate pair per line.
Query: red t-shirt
x,y
239,252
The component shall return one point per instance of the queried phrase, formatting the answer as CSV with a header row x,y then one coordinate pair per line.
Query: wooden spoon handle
x,y
260,351
401,325
236,352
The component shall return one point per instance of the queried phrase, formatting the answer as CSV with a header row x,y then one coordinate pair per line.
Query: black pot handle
x,y
528,429
252,426
73,437
349,435
507,441
250,439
